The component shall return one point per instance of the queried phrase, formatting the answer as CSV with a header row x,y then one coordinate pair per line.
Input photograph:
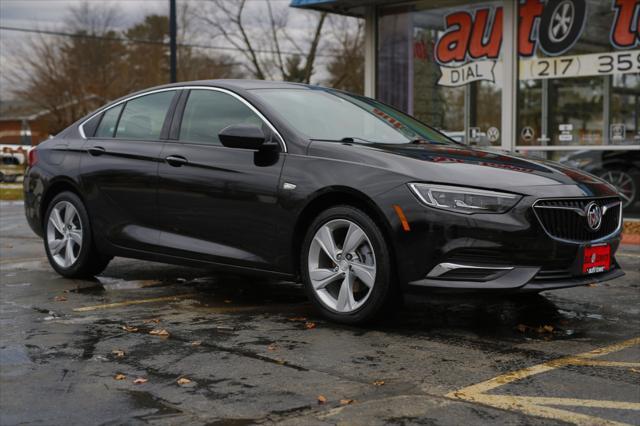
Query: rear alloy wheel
x,y
68,239
346,266
624,183
64,234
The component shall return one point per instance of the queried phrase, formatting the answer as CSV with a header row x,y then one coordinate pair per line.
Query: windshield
x,y
324,114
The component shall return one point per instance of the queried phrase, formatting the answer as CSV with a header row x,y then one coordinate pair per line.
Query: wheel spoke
x,y
346,302
324,237
56,220
69,258
366,273
69,214
623,195
55,246
320,278
353,239
76,236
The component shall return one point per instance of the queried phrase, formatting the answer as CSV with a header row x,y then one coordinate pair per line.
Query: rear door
x,y
215,203
120,169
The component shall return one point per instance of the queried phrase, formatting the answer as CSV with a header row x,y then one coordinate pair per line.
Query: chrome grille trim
x,y
554,227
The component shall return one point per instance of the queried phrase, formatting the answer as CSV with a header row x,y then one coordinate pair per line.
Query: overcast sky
x,y
51,14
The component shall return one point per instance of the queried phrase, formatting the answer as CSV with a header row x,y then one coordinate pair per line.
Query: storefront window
x,y
442,66
578,73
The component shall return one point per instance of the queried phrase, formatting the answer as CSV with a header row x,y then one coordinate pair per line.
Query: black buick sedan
x,y
358,200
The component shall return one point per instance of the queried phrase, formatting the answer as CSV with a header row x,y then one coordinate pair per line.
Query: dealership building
x,y
558,79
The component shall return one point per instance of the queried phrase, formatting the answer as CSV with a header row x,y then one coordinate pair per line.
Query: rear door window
x,y
107,126
143,117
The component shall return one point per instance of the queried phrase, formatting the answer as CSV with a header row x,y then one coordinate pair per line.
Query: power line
x,y
140,41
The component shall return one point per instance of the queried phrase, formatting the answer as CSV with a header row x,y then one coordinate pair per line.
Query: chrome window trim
x,y
605,208
166,89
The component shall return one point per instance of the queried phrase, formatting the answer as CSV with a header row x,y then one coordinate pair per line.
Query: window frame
x,y
173,119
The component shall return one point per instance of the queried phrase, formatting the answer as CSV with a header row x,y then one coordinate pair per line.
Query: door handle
x,y
176,160
96,150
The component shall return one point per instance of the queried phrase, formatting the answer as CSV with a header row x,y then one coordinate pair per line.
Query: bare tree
x,y
346,67
71,75
262,47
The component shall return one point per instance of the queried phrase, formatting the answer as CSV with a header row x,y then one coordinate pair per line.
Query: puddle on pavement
x,y
519,317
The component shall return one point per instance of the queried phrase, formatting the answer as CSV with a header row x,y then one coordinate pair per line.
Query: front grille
x,y
562,218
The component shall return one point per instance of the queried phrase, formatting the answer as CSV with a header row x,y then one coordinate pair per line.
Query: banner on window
x,y
464,74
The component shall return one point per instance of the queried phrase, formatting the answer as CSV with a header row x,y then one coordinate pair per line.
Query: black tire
x,y
89,261
383,295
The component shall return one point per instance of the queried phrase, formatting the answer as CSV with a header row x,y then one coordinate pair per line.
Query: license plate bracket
x,y
596,259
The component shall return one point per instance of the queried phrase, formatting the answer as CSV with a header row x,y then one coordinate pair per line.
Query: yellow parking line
x,y
576,402
132,302
539,406
542,368
515,403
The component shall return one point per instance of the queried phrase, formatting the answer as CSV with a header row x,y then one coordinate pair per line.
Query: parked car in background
x,y
620,168
355,198
11,169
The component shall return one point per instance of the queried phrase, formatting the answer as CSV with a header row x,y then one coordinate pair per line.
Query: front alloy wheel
x,y
342,266
346,266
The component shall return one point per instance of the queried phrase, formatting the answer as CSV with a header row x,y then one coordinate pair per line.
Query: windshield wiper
x,y
354,139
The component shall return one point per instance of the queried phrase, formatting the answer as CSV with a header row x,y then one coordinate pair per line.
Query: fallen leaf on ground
x,y
183,381
547,328
635,370
346,401
152,320
118,353
378,383
297,319
521,328
130,328
140,381
60,299
322,399
120,376
196,343
159,332
272,347
309,325
281,361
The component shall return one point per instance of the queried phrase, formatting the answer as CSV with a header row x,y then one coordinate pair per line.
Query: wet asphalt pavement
x,y
253,351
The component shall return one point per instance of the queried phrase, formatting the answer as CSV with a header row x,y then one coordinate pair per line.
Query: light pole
x,y
173,60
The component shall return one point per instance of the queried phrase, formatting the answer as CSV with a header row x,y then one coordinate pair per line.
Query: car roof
x,y
238,84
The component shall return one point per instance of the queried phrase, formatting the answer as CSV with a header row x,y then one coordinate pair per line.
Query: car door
x,y
120,169
216,203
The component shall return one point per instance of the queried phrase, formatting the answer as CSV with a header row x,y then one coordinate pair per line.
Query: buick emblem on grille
x,y
593,212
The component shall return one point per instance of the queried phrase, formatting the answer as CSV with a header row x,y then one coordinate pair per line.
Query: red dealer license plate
x,y
596,259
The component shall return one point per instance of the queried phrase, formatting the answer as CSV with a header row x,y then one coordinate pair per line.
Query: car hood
x,y
460,165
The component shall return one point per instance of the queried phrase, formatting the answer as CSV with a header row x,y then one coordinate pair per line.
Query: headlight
x,y
464,200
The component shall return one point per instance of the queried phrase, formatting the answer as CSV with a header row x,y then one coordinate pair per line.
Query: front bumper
x,y
521,253
521,279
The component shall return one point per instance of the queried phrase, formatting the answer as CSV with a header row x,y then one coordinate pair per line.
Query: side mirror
x,y
242,136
